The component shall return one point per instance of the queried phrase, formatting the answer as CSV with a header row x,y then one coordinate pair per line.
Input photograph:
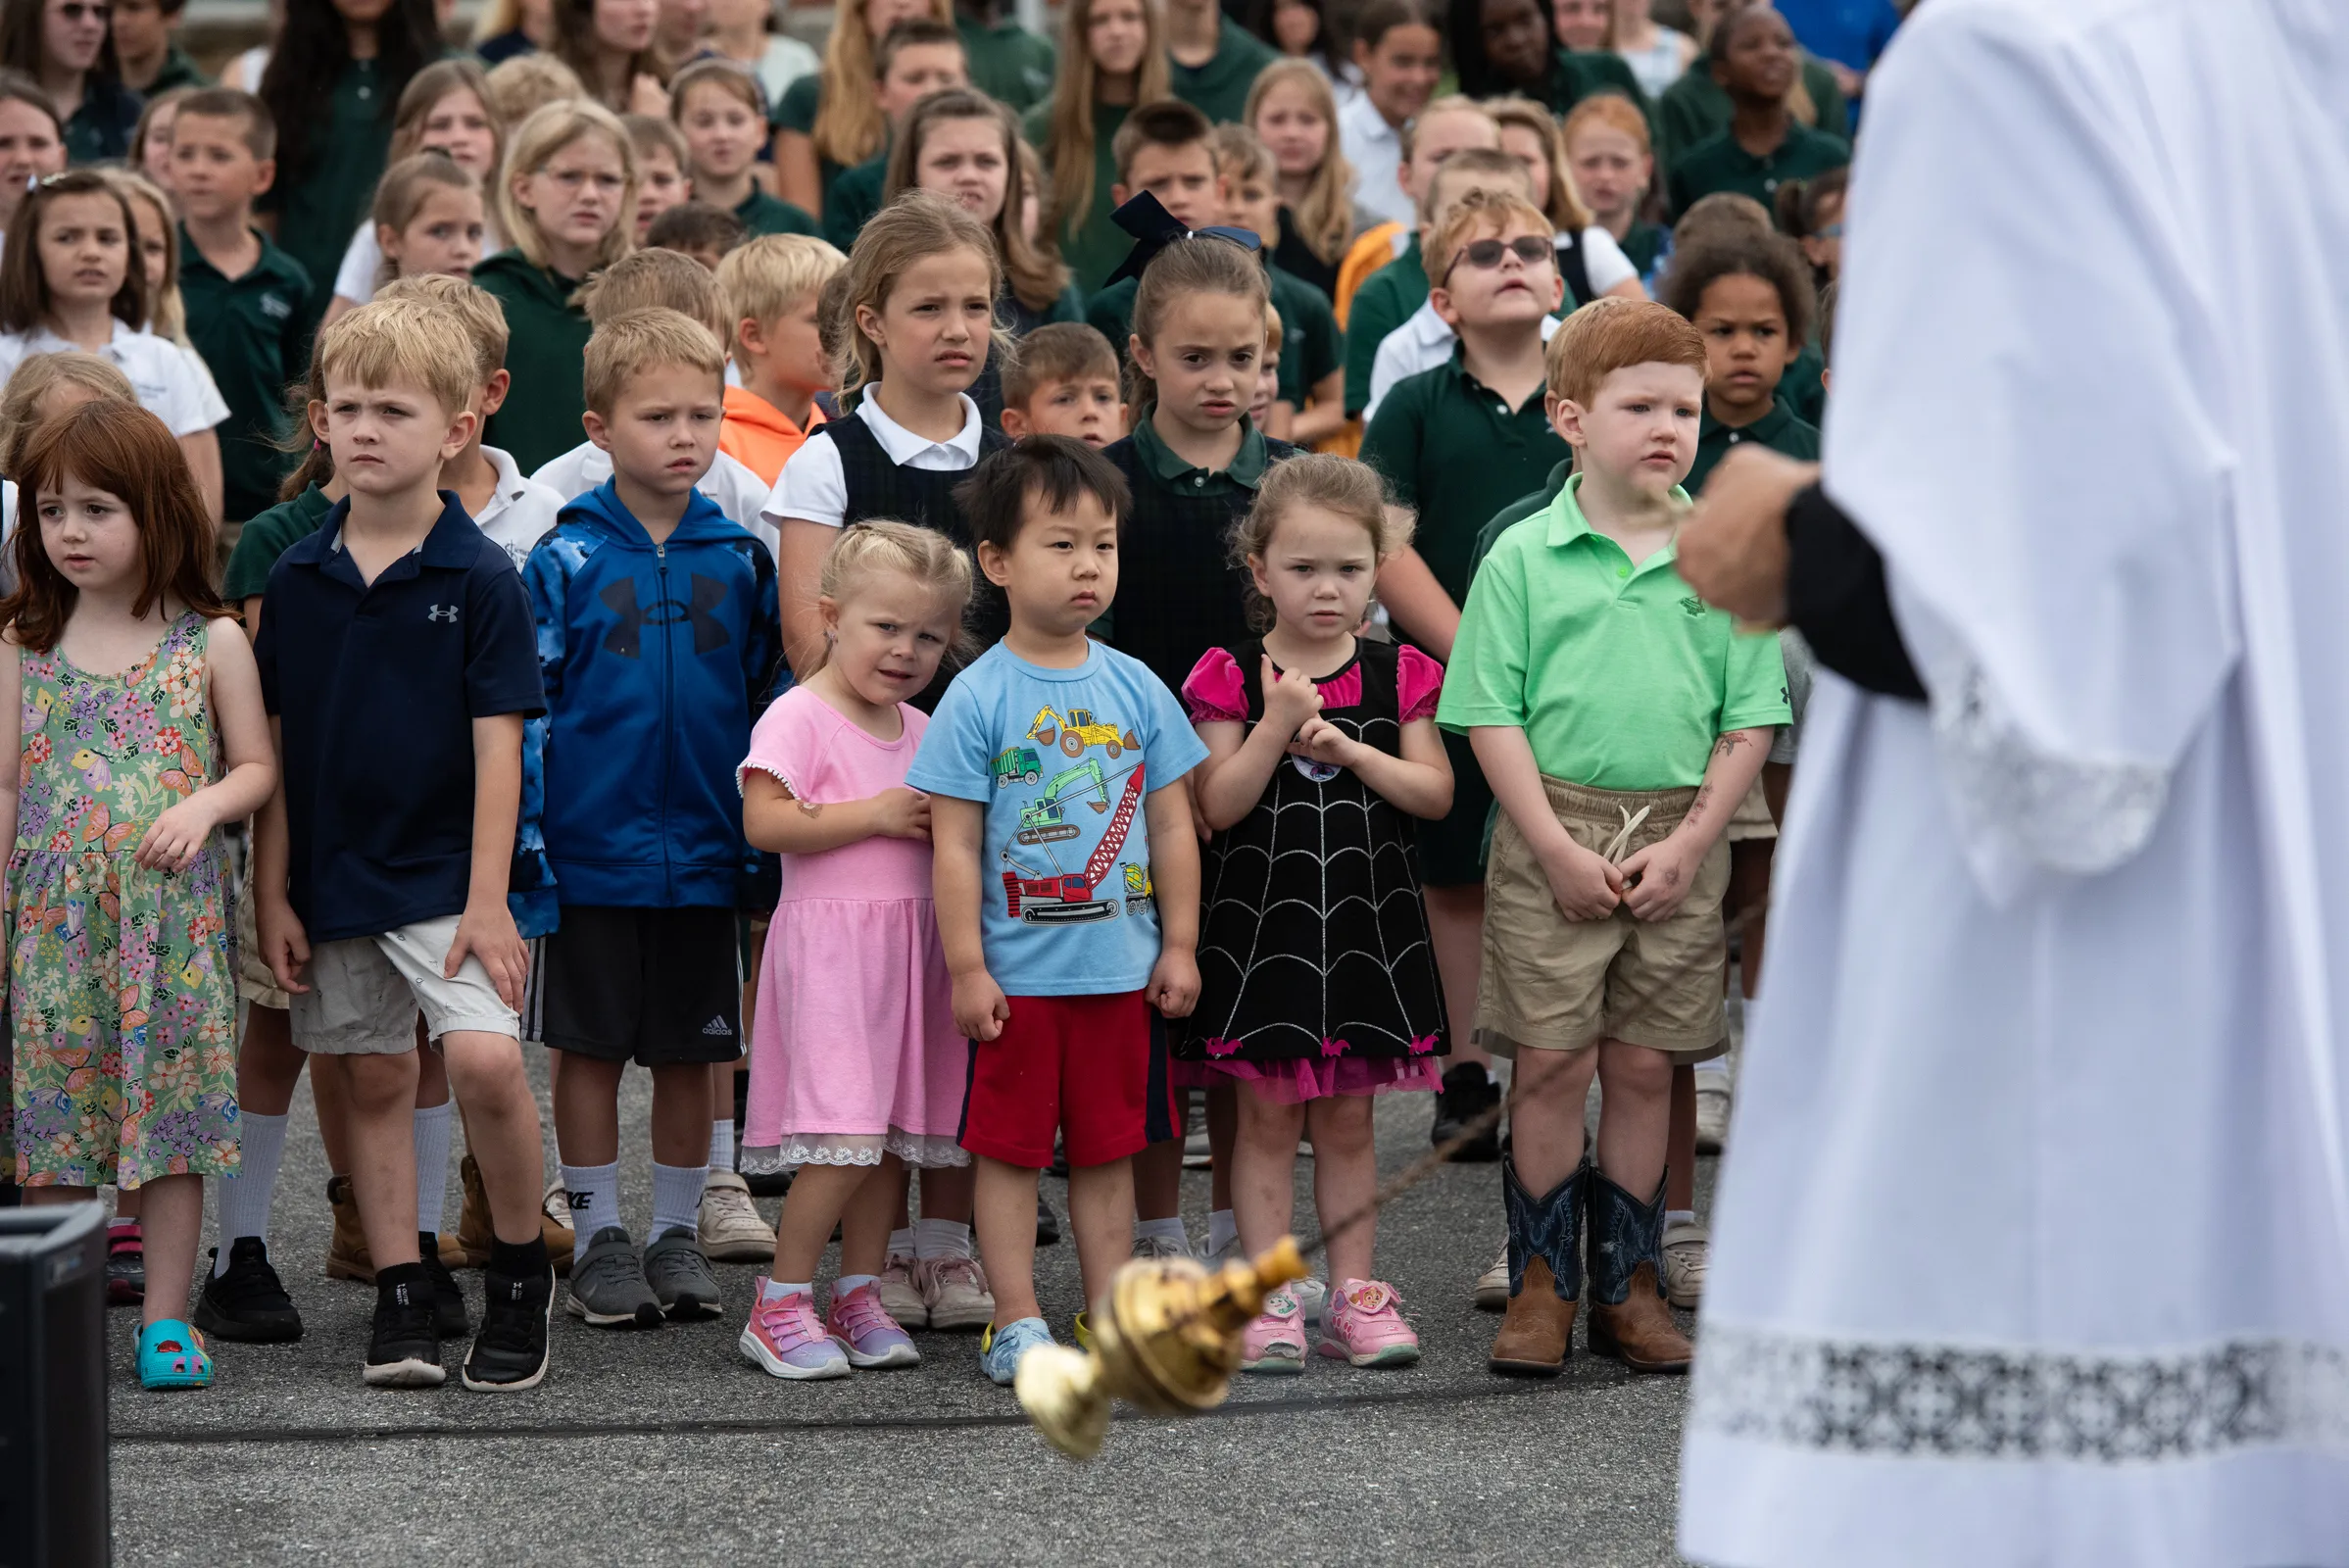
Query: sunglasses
x,y
75,11
1485,253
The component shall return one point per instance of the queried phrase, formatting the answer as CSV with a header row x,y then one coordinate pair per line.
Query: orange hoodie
x,y
759,435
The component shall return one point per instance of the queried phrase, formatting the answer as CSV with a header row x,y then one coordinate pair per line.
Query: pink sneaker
x,y
862,1327
784,1339
1276,1341
1366,1325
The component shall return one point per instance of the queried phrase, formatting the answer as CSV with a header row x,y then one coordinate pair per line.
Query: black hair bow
x,y
1154,228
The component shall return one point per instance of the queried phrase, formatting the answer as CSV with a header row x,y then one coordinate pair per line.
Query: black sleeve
x,y
1836,596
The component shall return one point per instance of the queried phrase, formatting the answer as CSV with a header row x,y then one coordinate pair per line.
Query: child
x,y
68,283
771,286
1812,212
1263,409
1426,339
718,107
1609,160
1512,46
123,1011
1056,983
448,108
1316,989
707,234
746,32
662,184
913,59
246,297
1750,295
829,123
522,84
1754,60
1292,111
387,887
1063,380
649,862
157,248
428,218
609,46
1112,57
43,386
1617,748
562,202
1008,63
32,140
1589,262
72,55
1314,366
847,1085
151,143
1657,54
147,45
1212,59
1398,49
1694,107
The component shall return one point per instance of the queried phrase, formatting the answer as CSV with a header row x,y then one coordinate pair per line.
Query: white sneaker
x,y
1196,1155
954,1291
1687,1246
1161,1247
1492,1286
1712,1112
1311,1295
900,1298
730,1228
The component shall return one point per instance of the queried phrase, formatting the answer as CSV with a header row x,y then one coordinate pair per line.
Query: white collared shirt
x,y
814,487
1424,341
1376,150
170,382
519,511
730,485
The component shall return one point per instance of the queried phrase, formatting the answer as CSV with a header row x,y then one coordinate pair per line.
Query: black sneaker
x,y
448,1296
509,1354
1047,1223
770,1184
247,1304
1468,1092
405,1350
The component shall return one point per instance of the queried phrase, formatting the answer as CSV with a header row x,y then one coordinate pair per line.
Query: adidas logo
x,y
718,1027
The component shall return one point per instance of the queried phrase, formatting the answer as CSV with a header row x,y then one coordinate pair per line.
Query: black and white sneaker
x,y
509,1354
405,1350
1468,1092
448,1296
247,1303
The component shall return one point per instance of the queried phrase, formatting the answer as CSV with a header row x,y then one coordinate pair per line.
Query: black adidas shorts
x,y
655,986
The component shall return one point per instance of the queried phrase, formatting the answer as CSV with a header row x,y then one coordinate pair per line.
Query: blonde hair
x,y
523,86
1449,104
535,142
917,225
650,133
762,279
166,313
473,306
401,196
35,380
1069,136
1478,209
657,279
423,93
1276,332
1566,212
1325,218
1340,485
1035,273
850,127
410,340
629,344
881,546
1241,153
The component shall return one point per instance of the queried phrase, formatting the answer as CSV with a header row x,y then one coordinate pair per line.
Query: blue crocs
x,y
170,1355
1000,1350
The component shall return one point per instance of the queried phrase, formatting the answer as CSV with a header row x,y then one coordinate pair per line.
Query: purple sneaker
x,y
863,1329
784,1339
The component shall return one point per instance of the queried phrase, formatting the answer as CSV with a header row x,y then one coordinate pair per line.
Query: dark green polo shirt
x,y
796,111
1804,386
1779,430
1245,471
1219,88
178,71
1694,107
1386,301
854,199
1719,163
252,331
1643,245
546,344
267,536
1007,62
1311,344
1093,248
763,214
1531,504
316,213
1456,452
1575,74
102,127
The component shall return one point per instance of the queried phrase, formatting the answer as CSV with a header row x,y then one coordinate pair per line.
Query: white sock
x,y
940,1237
848,1283
676,1198
246,1195
776,1290
595,1202
901,1243
1222,1231
1715,1066
432,1127
721,1145
1679,1216
1171,1229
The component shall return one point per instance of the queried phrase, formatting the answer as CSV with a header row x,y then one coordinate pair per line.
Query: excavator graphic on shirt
x,y
1057,896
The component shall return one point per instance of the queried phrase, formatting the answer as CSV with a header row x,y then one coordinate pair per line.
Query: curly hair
x,y
1745,253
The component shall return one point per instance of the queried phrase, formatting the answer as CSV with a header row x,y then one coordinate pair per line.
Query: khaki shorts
x,y
254,981
1752,818
1554,984
364,994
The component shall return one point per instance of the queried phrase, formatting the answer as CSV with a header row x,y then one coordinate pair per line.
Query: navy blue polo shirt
x,y
376,687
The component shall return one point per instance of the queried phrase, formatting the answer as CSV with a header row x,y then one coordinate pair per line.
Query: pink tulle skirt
x,y
1293,1083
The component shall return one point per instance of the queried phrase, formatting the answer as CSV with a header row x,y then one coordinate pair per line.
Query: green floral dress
x,y
121,980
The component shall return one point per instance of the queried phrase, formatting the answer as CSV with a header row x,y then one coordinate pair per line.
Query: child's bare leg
x,y
819,1198
1634,1113
949,1192
127,1204
1345,1173
267,1066
1223,1128
382,1144
1680,1152
1101,1210
864,1224
431,1077
1157,1182
502,1129
171,1218
331,1092
681,1114
1264,1168
1749,902
1005,1215
1547,1096
587,1115
1456,931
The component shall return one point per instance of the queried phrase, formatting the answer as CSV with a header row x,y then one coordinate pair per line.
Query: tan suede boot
x,y
1545,1256
1537,1329
475,1234
347,1255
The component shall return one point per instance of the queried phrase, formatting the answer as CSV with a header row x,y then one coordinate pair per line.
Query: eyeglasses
x,y
76,11
1485,253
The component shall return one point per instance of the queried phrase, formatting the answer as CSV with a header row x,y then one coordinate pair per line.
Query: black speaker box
x,y
53,1491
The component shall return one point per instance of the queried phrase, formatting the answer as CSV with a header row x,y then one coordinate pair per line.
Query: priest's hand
x,y
1732,548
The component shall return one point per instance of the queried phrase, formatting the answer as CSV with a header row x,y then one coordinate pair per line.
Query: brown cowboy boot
x,y
1546,1276
1629,1319
347,1255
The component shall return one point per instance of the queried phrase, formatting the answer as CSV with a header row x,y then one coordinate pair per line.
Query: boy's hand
x,y
172,842
486,931
1584,885
980,1009
285,945
1321,741
1173,987
901,813
1660,876
1289,701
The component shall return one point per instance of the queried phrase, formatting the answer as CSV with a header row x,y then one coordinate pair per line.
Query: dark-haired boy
x,y
1067,957
1212,59
1063,380
147,47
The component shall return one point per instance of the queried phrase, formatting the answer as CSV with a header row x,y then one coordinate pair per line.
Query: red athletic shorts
x,y
1090,1068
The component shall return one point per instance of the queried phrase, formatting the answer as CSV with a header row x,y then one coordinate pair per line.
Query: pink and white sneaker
x,y
866,1332
1275,1341
1364,1324
784,1339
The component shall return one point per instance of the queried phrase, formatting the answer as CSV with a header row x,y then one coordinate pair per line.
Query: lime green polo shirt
x,y
1219,88
253,331
1620,676
267,536
1093,247
763,214
1694,107
1719,163
1008,63
1780,431
1386,300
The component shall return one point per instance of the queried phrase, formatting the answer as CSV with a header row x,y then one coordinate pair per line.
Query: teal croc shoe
x,y
172,1355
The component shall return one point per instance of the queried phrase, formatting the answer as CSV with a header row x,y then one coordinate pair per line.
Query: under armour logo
x,y
627,638
447,612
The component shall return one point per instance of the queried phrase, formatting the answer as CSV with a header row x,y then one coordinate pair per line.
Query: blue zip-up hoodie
x,y
655,659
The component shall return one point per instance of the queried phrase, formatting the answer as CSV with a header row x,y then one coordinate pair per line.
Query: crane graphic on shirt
x,y
1056,896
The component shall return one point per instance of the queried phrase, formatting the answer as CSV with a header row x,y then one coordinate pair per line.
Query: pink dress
x,y
854,1052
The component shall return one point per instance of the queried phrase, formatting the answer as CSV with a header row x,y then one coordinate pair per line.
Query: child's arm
x,y
1661,874
805,546
285,945
1173,987
1280,420
1240,760
1418,783
201,449
774,818
1417,603
178,834
1327,415
958,828
1584,885
486,930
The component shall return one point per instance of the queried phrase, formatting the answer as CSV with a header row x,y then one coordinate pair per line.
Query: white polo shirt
x,y
169,380
519,511
738,492
1376,150
1424,341
814,487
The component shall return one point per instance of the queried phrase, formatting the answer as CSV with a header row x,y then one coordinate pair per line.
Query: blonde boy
x,y
1063,380
772,287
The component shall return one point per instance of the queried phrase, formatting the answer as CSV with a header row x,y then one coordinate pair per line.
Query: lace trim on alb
x,y
924,1149
1950,1402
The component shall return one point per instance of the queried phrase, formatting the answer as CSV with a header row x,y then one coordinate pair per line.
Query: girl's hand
x,y
1173,987
901,813
486,931
1289,701
177,836
1584,885
1324,742
1659,877
980,1010
285,945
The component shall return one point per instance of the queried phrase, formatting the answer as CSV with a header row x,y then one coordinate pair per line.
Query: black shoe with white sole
x,y
246,1303
448,1296
509,1354
404,1351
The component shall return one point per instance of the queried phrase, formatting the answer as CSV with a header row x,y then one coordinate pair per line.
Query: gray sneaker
x,y
607,1285
681,1276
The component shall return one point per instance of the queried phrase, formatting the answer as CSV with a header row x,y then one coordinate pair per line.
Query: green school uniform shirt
x,y
1531,504
546,345
1694,107
1780,431
1575,74
1804,386
763,214
252,331
796,111
316,213
267,536
1312,345
1642,246
1386,300
178,71
1219,88
1607,701
1095,246
1008,63
852,200
101,126
1719,163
